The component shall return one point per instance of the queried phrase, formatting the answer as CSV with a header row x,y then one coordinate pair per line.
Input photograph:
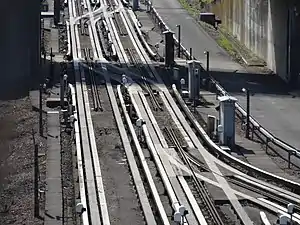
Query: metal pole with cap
x,y
179,39
182,82
207,60
290,209
41,109
247,111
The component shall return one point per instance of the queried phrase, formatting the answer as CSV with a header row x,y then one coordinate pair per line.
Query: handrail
x,y
271,138
223,153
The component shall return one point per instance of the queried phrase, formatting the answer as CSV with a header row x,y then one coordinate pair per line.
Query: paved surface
x,y
247,150
279,114
53,207
193,36
272,105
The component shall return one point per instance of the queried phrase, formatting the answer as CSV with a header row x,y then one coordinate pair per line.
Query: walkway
x,y
193,36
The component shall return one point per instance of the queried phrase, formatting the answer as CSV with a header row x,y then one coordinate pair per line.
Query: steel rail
x,y
145,84
145,167
236,205
199,186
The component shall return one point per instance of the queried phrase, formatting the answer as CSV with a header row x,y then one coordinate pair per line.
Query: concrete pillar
x,y
194,79
227,120
169,48
295,45
19,41
135,5
56,12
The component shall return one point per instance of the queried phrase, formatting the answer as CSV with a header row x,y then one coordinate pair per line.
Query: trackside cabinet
x,y
169,48
194,68
226,126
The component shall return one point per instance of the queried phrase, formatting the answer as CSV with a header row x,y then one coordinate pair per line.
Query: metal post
x,y
289,35
207,62
191,56
195,88
290,210
51,64
41,110
45,54
179,39
36,182
248,114
182,82
267,143
289,162
62,92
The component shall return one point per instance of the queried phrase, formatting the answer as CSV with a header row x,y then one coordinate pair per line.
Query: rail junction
x,y
171,160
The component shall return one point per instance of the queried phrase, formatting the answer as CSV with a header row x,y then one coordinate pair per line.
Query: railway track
x,y
150,220
212,216
139,152
91,187
125,61
93,83
136,61
129,52
228,191
237,166
138,48
278,195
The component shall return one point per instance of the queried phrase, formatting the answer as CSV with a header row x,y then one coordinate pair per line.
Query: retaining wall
x,y
262,26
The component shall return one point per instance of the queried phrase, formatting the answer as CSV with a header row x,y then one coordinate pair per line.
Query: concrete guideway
x,y
209,159
131,160
94,184
147,60
265,204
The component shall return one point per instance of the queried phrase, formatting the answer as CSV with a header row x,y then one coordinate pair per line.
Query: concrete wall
x,y
262,26
19,46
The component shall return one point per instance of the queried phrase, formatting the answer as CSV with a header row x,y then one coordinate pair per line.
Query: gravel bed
x,y
164,120
141,171
253,210
17,120
123,204
68,176
166,201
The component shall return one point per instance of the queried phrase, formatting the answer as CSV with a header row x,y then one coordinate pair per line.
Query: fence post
x,y
36,182
41,110
267,142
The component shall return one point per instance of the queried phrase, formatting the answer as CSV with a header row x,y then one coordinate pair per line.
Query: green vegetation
x,y
194,11
194,8
226,44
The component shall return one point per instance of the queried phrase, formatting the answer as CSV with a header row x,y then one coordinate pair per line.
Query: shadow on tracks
x,y
15,86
